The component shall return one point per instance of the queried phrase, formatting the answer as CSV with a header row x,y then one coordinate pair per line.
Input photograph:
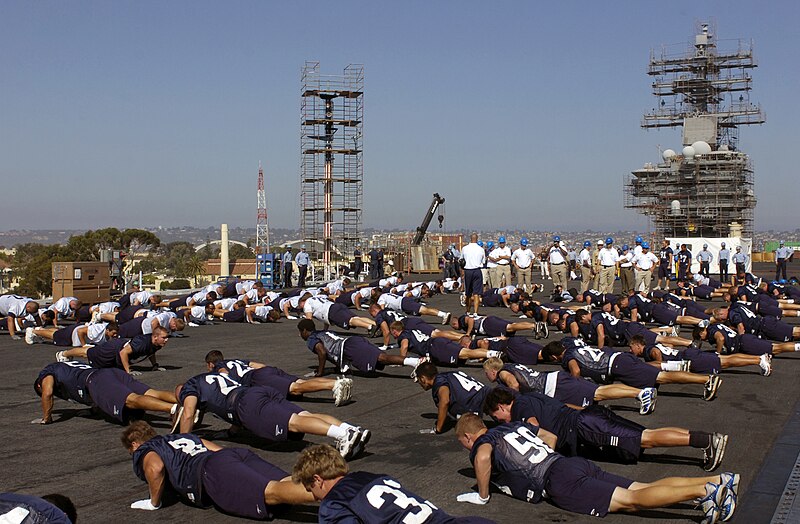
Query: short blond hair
x,y
493,363
469,423
322,460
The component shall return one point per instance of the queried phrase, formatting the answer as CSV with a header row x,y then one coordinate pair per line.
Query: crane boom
x,y
426,221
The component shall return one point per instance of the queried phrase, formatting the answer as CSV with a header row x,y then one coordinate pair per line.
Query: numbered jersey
x,y
643,307
520,459
238,369
213,392
367,498
389,316
333,344
551,414
667,353
466,393
70,380
743,313
183,456
528,379
731,337
594,363
612,326
418,341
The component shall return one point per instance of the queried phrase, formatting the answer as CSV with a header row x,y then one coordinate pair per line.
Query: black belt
x,y
608,266
557,263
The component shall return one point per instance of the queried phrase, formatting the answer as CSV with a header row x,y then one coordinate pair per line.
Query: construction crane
x,y
426,221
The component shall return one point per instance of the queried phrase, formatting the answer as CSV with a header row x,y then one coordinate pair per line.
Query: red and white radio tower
x,y
262,225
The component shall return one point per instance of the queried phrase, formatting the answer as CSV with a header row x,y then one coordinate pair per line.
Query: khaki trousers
x,y
558,272
586,278
643,280
626,279
503,275
606,283
524,278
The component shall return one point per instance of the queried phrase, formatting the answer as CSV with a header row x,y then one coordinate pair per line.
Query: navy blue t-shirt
x,y
553,415
183,456
70,380
741,313
39,511
466,393
212,390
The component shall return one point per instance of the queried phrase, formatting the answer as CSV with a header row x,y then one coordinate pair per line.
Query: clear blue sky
x,y
522,114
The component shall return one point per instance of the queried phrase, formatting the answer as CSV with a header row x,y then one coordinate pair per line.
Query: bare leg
x,y
455,336
312,423
45,333
472,353
681,377
613,391
738,360
673,341
391,360
167,396
783,347
476,302
665,437
366,323
286,492
76,352
300,386
660,493
147,403
520,326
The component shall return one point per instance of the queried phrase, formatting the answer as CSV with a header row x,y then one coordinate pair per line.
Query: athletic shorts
x,y
577,485
176,303
634,328
663,271
237,315
665,315
265,412
693,309
703,291
83,314
752,345
770,310
774,329
273,377
63,336
234,479
361,354
126,314
410,306
705,362
110,387
628,369
520,350
444,352
339,315
124,301
414,323
473,282
601,428
230,291
345,299
131,328
494,327
575,391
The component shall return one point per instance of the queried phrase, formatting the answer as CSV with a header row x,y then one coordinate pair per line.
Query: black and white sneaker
x,y
177,414
544,332
347,444
712,455
60,357
361,445
711,386
421,361
765,363
446,319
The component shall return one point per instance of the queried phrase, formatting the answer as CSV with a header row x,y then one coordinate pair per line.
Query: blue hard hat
x,y
782,242
556,238
783,281
490,244
609,240
645,245
501,240
624,246
524,241
587,244
480,243
638,240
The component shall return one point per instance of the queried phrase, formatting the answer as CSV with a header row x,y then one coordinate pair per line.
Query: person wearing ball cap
x,y
637,249
585,266
522,259
501,257
557,262
644,265
705,257
626,277
609,261
724,256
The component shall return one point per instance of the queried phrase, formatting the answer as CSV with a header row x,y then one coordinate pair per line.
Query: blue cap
x,y
480,243
524,241
638,240
783,281
490,244
556,238
645,245
501,240
609,240
782,242
624,246
587,244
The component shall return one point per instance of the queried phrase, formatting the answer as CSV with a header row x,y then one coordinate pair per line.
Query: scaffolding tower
x,y
331,168
262,222
707,188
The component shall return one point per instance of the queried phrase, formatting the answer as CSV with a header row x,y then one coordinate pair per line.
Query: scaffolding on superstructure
x,y
708,192
331,167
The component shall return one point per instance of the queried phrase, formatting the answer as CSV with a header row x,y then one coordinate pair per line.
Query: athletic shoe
x,y
373,331
703,324
29,335
176,419
95,317
728,505
676,330
60,357
731,480
446,319
686,365
764,362
696,344
712,455
346,445
341,391
647,399
414,373
364,436
712,502
711,386
543,331
463,299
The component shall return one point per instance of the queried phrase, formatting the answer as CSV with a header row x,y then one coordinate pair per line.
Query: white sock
x,y
336,432
673,365
797,346
174,409
441,314
493,353
411,361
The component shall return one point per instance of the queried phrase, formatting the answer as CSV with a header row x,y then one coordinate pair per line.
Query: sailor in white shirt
x,y
585,266
609,259
557,262
626,277
65,308
645,264
501,256
329,312
522,258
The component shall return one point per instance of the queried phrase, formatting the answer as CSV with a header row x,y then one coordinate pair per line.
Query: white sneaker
x,y
347,444
60,357
765,363
414,373
95,317
446,319
703,324
342,390
463,300
29,335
